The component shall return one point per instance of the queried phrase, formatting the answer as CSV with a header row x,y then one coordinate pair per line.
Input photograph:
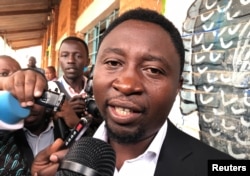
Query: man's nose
x,y
129,82
71,57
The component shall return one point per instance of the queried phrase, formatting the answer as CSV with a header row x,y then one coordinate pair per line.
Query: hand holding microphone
x,y
87,157
18,92
25,85
11,111
47,161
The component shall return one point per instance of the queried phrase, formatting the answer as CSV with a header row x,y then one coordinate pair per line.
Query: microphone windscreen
x,y
89,153
11,111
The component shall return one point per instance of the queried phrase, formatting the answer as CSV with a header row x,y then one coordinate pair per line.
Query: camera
x,y
91,107
52,100
90,103
55,99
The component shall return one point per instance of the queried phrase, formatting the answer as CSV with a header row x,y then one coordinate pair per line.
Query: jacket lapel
x,y
175,153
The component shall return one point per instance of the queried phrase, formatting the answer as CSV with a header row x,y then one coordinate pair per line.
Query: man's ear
x,y
180,84
88,61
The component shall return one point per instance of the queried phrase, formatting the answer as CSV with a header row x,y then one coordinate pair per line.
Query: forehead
x,y
32,59
140,35
137,41
72,44
47,69
139,31
8,64
4,64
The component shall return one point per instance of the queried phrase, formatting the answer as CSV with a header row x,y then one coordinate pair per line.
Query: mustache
x,y
123,98
131,102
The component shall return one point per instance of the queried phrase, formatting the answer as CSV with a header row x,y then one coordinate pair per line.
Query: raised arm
x,y
25,85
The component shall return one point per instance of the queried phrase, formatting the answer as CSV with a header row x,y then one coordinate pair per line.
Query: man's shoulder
x,y
182,154
195,146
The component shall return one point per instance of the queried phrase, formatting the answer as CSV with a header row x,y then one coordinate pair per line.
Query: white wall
x,y
21,55
176,11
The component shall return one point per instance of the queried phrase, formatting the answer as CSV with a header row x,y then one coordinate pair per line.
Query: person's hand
x,y
78,104
25,85
68,114
47,161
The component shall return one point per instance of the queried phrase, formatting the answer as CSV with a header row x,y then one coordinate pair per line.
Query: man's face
x,y
72,58
36,118
32,62
136,79
49,74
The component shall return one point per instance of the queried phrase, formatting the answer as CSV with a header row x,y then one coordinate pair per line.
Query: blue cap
x,y
10,110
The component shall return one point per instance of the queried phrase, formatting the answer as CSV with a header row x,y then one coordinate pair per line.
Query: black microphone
x,y
88,157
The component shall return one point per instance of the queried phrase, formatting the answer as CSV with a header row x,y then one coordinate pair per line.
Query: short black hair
x,y
76,39
148,15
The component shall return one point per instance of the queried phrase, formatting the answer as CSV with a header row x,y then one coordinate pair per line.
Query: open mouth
x,y
124,115
123,111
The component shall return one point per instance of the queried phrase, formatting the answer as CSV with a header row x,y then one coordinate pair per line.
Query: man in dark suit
x,y
184,155
141,57
138,73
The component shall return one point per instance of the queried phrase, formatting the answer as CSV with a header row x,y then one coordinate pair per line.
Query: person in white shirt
x,y
73,58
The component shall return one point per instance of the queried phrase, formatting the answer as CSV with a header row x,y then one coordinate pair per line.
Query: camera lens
x,y
92,108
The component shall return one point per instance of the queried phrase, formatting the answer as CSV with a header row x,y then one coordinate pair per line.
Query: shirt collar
x,y
69,89
50,127
155,146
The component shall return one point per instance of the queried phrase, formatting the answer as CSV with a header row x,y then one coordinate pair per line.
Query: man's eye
x,y
4,74
154,71
113,63
64,55
78,56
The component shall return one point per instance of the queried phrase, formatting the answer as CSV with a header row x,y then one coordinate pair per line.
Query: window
x,y
92,37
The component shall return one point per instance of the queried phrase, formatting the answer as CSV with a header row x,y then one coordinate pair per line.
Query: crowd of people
x,y
20,146
137,75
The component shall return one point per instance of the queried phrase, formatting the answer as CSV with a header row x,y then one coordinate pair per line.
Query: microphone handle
x,y
78,168
61,129
77,132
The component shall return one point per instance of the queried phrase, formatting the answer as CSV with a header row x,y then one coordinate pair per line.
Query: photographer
x,y
73,57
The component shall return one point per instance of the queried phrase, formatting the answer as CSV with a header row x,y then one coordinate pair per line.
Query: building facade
x,y
86,19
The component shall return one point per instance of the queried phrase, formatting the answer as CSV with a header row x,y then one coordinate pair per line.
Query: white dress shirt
x,y
69,89
144,164
38,143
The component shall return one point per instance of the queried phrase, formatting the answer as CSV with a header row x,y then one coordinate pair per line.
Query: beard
x,y
126,138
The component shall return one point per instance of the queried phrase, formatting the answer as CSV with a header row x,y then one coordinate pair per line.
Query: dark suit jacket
x,y
183,155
